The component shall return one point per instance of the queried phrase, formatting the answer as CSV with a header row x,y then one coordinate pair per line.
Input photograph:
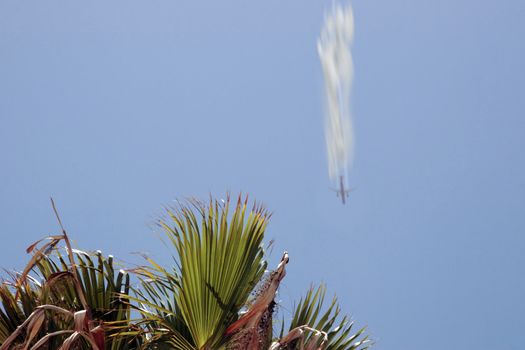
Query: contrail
x,y
333,46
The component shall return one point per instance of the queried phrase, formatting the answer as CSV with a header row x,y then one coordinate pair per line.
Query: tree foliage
x,y
217,295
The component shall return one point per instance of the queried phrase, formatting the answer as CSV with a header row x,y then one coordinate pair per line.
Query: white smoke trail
x,y
333,46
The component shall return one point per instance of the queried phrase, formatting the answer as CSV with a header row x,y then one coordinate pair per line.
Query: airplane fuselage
x,y
342,191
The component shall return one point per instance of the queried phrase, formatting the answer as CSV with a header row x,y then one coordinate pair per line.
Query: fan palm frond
x,y
219,256
311,326
51,312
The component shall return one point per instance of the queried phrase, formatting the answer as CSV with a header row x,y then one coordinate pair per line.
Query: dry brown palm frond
x,y
38,254
253,329
317,341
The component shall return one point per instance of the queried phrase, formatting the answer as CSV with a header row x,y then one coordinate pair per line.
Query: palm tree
x,y
67,303
217,296
207,300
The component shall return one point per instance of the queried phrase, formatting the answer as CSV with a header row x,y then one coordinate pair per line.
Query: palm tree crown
x,y
217,296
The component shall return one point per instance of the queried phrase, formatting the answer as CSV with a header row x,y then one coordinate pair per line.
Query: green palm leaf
x,y
17,303
101,285
220,260
309,312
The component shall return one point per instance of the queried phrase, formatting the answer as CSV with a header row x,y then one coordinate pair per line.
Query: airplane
x,y
342,191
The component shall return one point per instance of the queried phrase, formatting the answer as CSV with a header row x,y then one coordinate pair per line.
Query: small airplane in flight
x,y
342,192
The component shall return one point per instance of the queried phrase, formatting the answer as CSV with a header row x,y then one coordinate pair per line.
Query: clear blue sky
x,y
115,108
